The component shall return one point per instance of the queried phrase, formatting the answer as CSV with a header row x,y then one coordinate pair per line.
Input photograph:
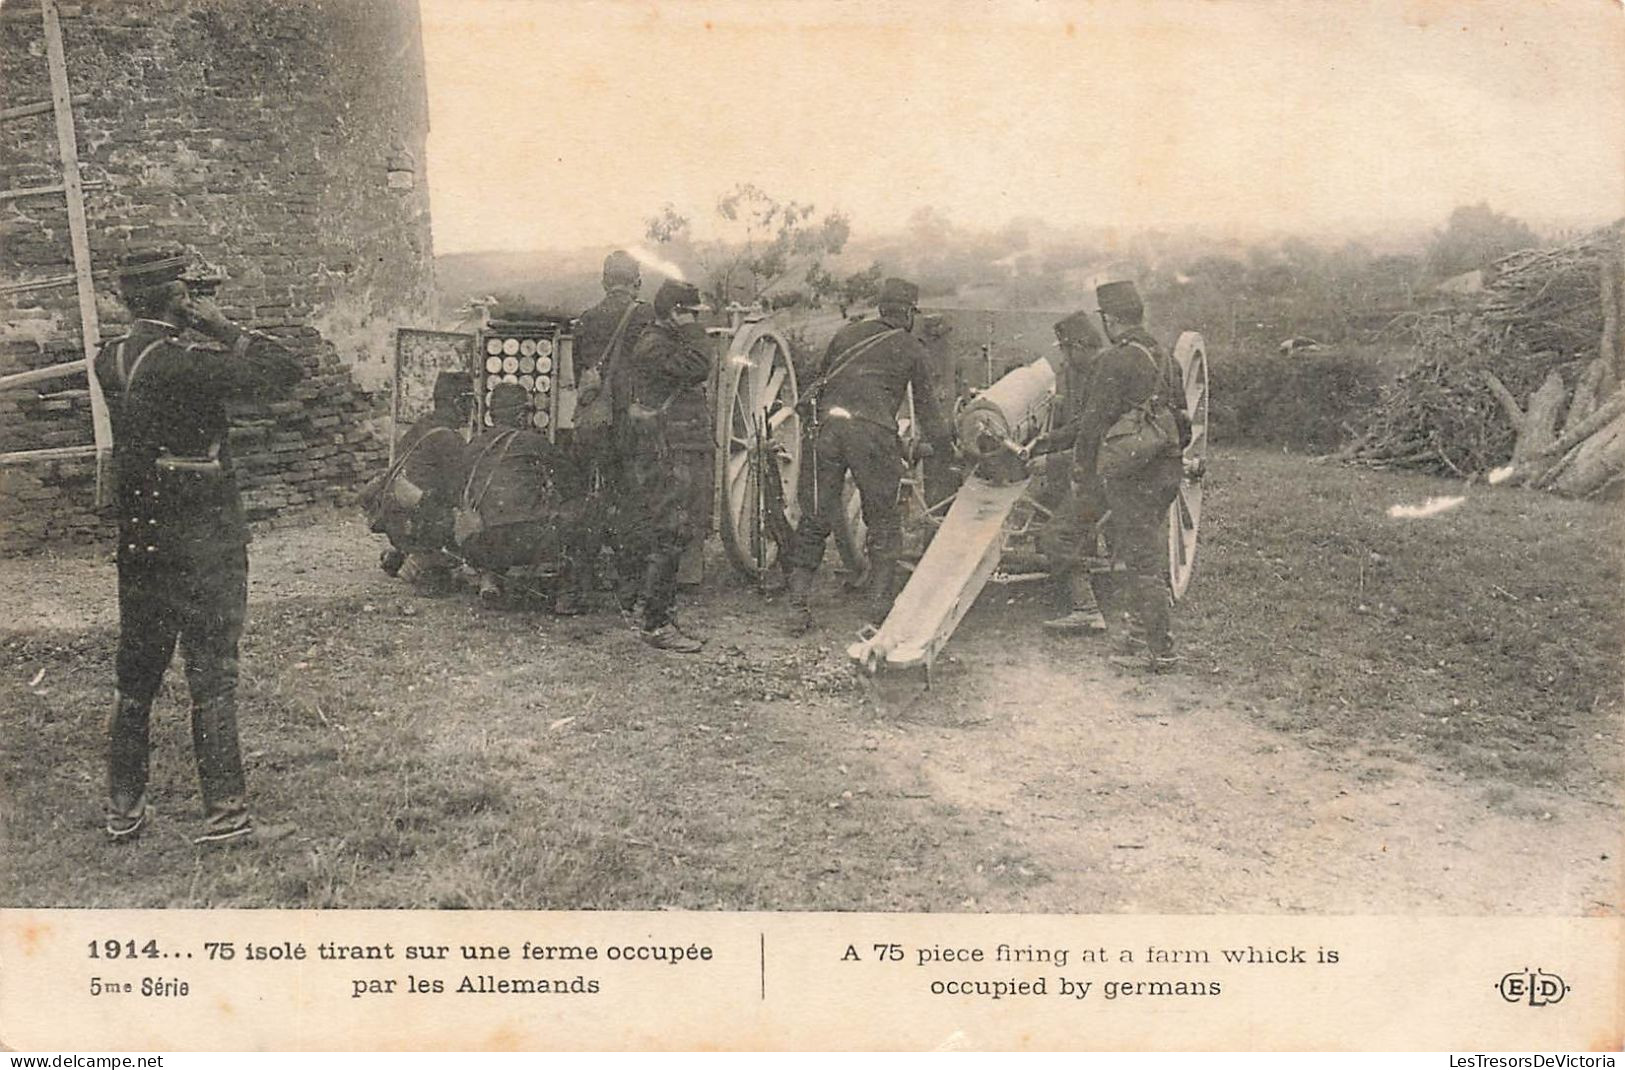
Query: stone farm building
x,y
282,141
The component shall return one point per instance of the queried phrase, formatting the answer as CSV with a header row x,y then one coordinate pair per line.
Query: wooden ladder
x,y
72,187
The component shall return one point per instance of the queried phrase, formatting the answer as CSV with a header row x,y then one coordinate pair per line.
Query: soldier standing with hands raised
x,y
668,441
183,538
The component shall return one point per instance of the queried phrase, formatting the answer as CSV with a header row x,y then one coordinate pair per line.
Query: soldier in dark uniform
x,y
604,337
668,440
510,483
1069,540
183,540
858,388
1135,380
413,503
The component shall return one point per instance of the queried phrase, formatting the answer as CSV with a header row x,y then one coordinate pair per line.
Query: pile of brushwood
x,y
1524,386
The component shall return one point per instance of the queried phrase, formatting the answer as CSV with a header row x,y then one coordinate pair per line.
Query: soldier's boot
x,y
774,580
800,599
490,589
1084,617
687,630
219,766
391,561
127,808
1131,642
1149,610
430,573
668,637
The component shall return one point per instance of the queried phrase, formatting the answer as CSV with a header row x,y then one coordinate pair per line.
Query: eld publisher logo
x,y
1535,987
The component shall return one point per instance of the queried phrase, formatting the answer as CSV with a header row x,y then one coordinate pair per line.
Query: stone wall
x,y
281,141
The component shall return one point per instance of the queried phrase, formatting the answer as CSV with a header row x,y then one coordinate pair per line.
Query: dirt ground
x,y
1032,776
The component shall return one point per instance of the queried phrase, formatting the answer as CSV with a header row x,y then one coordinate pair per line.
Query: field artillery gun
x,y
996,516
959,533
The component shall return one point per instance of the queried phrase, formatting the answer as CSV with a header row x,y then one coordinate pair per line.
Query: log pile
x,y
1527,386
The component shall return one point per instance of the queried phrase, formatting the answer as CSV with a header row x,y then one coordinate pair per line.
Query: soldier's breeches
x,y
1069,537
202,607
127,735
662,521
589,475
871,453
1137,536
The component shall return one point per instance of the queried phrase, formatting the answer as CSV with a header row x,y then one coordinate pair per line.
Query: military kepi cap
x,y
453,386
1120,301
673,294
1077,329
898,292
152,265
619,266
508,398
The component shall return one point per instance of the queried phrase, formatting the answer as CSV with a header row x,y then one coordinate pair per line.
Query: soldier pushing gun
x,y
1129,437
861,384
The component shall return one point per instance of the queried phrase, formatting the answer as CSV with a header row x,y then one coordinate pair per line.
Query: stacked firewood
x,y
1527,386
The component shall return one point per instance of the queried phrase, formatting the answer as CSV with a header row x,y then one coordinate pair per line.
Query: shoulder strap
x,y
620,329
847,356
505,440
400,462
127,373
1159,373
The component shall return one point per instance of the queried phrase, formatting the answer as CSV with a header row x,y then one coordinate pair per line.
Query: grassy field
x,y
1488,638
434,755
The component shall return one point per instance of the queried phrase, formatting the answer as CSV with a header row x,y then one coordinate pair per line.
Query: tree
x,y
1475,237
762,242
856,289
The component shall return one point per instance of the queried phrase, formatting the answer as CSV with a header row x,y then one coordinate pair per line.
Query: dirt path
x,y
1118,794
1160,796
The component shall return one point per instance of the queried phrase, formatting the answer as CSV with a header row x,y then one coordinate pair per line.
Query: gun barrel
x,y
1014,407
1012,410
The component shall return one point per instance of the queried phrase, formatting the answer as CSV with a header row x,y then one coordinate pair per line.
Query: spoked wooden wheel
x,y
759,435
1185,514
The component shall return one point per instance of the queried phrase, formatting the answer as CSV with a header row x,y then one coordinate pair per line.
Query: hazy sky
x,y
562,123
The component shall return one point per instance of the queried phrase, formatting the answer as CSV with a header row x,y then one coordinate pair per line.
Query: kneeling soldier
x,y
412,502
509,515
